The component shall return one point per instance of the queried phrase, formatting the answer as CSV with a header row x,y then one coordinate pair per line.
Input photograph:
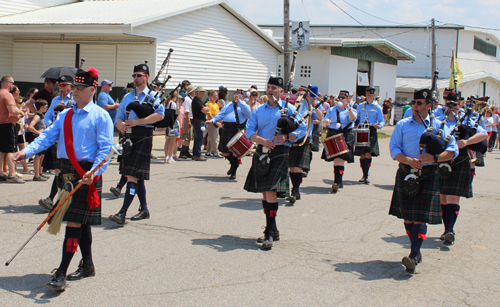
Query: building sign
x,y
300,35
363,79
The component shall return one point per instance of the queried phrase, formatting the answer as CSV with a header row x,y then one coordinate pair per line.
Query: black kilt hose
x,y
349,141
226,134
78,211
137,164
299,156
425,207
276,180
460,182
373,149
315,138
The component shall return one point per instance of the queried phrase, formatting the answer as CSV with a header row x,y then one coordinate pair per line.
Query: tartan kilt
x,y
349,141
299,156
50,158
479,159
373,148
425,207
315,138
226,135
460,182
138,163
78,211
276,179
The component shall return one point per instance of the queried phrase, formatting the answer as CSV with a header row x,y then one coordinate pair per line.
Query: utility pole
x,y
433,53
286,36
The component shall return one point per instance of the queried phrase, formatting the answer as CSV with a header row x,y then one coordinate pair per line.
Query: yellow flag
x,y
456,73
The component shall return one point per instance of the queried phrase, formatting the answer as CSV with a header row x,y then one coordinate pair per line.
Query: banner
x,y
456,72
300,35
363,79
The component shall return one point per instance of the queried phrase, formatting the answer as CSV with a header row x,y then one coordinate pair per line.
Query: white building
x,y
213,43
333,64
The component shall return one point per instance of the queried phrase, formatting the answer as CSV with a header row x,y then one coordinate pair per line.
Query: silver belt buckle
x,y
265,150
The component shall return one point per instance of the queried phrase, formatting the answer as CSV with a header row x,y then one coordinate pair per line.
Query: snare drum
x,y
335,146
361,137
239,145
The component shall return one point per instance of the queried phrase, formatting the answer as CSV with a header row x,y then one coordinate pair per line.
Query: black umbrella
x,y
56,72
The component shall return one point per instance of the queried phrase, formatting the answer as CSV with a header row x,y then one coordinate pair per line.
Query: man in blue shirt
x,y
92,131
417,164
369,114
105,101
140,132
273,147
64,83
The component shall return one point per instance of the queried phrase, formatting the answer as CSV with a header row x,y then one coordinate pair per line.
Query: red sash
x,y
92,196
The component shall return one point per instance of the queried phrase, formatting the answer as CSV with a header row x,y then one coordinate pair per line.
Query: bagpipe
x,y
465,131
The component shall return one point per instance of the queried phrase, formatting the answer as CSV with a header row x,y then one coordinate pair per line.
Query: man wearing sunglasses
x,y
64,83
422,208
140,131
85,136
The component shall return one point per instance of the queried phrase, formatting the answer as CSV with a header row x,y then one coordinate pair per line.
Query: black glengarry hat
x,y
424,93
452,96
278,81
142,68
89,77
65,79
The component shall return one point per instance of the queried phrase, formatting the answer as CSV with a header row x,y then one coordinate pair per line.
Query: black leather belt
x,y
426,170
276,150
142,130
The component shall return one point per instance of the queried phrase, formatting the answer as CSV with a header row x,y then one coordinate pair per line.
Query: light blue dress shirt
x,y
405,138
105,99
49,115
372,114
264,119
121,114
345,121
92,136
226,114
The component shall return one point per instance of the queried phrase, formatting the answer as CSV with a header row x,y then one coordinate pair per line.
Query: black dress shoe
x,y
291,199
362,180
142,215
118,218
115,191
58,281
410,264
297,195
83,271
233,176
305,173
367,181
341,185
335,188
419,258
449,238
275,236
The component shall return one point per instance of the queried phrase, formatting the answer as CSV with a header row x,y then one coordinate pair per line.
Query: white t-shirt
x,y
171,105
187,106
487,121
496,120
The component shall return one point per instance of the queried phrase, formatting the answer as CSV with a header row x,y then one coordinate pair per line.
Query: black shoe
x,y
267,244
58,281
291,198
115,191
142,215
182,156
230,171
233,176
297,195
335,188
83,271
410,264
275,236
341,185
305,173
47,203
367,181
442,236
449,238
118,218
362,180
419,258
188,155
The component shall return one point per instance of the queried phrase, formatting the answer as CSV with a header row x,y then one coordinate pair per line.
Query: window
x,y
485,47
305,71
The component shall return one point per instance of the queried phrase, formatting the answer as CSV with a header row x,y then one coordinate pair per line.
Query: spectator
x,y
170,140
199,110
496,122
45,93
21,127
9,115
213,129
105,101
263,99
253,100
32,91
37,126
489,123
187,128
223,93
183,91
386,110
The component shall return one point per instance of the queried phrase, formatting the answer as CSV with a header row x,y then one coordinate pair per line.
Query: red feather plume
x,y
93,72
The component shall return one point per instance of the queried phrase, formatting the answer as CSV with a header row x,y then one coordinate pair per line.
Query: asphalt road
x,y
198,248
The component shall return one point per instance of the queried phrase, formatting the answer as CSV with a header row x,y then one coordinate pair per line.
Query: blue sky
x,y
478,13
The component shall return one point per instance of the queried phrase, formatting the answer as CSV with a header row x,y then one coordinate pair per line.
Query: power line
x,y
308,18
376,16
355,19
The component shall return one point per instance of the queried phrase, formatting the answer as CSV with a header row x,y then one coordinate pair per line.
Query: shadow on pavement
x,y
33,209
30,286
221,178
374,270
228,243
315,190
243,204
388,187
430,243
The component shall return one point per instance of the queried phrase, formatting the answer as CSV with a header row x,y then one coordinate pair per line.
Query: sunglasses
x,y
255,95
342,97
419,103
137,76
63,84
79,87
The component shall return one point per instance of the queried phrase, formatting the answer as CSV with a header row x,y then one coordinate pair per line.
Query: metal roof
x,y
411,84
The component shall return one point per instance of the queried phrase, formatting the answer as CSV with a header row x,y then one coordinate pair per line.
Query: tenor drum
x,y
239,145
361,137
335,146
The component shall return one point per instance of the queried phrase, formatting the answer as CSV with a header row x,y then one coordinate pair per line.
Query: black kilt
x,y
315,138
349,140
373,148
460,182
50,158
78,211
227,133
137,164
300,157
425,207
276,179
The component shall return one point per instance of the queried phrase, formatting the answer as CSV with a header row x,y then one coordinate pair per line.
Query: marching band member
x,y
340,119
273,181
369,113
422,208
136,165
85,135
